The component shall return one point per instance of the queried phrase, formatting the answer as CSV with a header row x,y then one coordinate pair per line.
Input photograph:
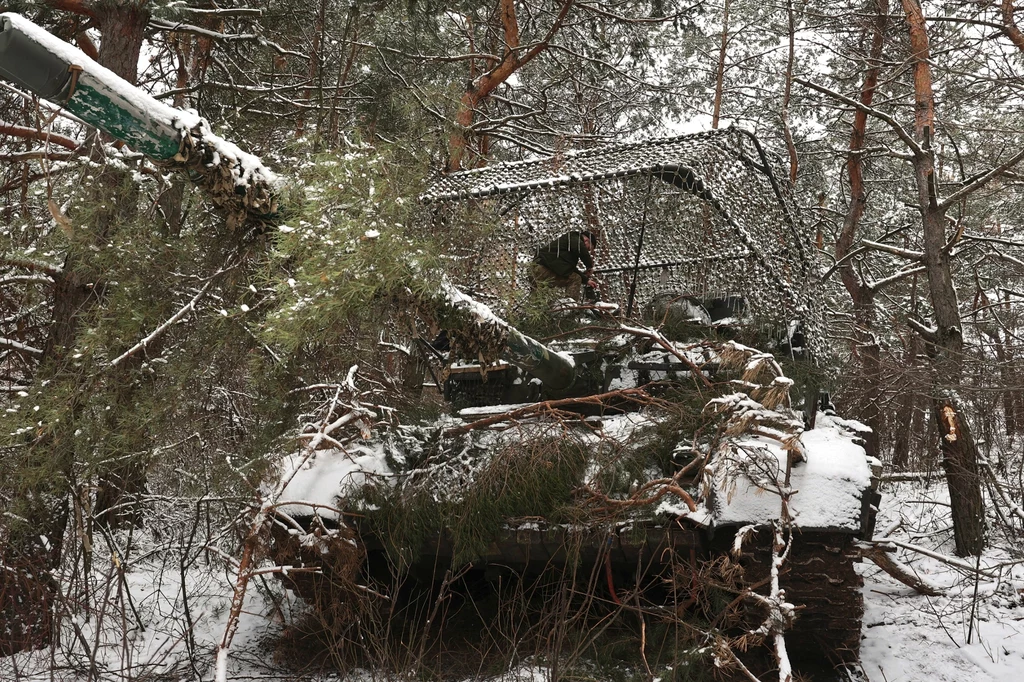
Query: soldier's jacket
x,y
562,255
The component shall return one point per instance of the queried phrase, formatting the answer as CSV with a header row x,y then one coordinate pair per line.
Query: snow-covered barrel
x,y
235,181
478,332
48,67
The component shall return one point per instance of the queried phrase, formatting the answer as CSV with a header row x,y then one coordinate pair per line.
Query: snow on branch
x,y
15,345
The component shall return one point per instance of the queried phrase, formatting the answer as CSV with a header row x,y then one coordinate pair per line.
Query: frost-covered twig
x,y
663,485
18,346
763,469
159,331
32,264
912,476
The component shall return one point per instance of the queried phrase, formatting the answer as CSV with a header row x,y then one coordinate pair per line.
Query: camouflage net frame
x,y
701,215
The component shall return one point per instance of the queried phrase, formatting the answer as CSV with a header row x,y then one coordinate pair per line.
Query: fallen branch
x,y
912,476
1014,508
882,558
668,485
267,508
637,395
21,347
963,566
189,307
32,265
156,333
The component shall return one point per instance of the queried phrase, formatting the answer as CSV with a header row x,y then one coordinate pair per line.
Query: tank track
x,y
820,579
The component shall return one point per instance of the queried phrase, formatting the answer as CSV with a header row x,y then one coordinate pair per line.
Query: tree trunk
x,y
720,72
315,74
512,60
958,450
787,95
79,289
907,416
960,462
123,27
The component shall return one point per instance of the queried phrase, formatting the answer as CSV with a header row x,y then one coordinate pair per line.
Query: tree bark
x,y
787,94
861,293
906,416
1010,28
122,26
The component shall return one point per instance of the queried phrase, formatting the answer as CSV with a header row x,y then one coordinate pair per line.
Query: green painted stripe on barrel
x,y
103,108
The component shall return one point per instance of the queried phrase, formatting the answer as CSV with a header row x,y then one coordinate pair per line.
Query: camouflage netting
x,y
702,215
237,184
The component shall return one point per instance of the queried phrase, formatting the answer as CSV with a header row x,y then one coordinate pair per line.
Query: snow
x,y
491,409
697,123
907,637
458,299
910,637
159,648
828,485
320,479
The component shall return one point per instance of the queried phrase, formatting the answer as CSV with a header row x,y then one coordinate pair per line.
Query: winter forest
x,y
290,392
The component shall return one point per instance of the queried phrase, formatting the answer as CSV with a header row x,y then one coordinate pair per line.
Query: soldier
x,y
555,264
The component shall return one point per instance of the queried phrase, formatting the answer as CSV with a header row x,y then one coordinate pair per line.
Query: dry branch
x,y
634,395
958,564
38,135
881,556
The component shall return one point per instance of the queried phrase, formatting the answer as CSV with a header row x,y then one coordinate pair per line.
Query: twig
x,y
900,131
159,331
15,345
912,476
667,345
669,485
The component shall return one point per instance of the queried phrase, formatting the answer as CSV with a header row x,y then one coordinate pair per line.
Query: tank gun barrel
x,y
475,320
46,66
556,370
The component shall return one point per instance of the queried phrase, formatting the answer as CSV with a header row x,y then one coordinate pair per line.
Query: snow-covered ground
x,y
973,633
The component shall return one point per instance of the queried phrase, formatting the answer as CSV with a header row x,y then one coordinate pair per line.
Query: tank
x,y
653,488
